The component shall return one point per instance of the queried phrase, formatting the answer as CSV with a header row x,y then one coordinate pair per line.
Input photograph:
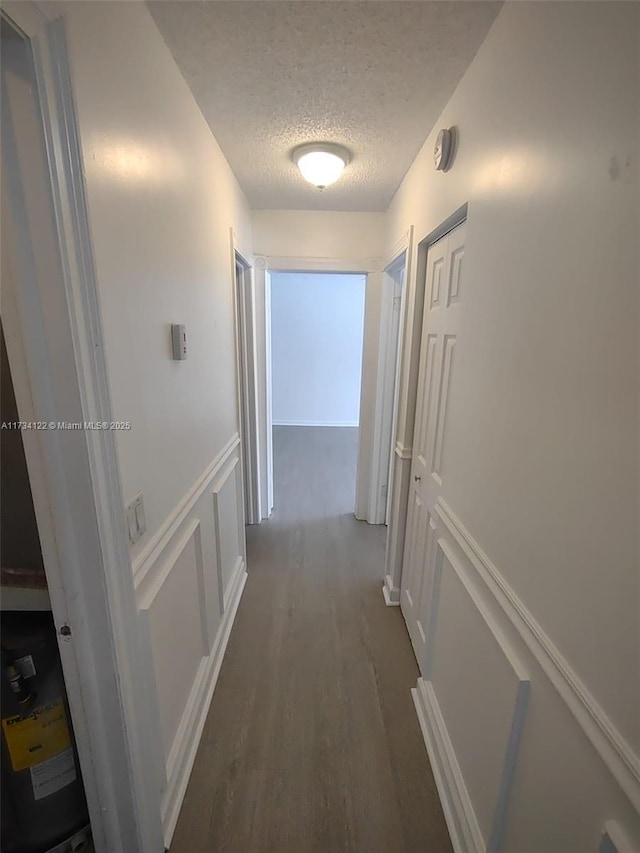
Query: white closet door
x,y
440,324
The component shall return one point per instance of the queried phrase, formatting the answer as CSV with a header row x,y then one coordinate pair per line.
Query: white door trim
x,y
400,460
415,277
76,474
265,265
247,373
399,291
392,311
263,432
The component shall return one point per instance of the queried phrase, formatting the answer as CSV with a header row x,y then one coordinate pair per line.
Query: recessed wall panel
x,y
480,689
177,635
227,518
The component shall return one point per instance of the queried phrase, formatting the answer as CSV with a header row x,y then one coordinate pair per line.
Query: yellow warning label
x,y
38,736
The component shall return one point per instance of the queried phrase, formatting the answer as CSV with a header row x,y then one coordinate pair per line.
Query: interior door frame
x,y
399,290
407,397
388,380
247,376
77,493
265,266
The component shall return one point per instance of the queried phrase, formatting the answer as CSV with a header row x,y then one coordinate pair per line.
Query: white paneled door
x,y
443,288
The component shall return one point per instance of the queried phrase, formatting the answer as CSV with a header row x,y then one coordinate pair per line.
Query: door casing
x,y
441,320
52,325
407,393
247,378
367,450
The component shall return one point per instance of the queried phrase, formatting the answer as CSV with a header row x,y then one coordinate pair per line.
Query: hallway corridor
x,y
312,742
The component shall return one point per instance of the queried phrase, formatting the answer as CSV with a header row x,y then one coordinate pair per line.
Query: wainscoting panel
x,y
229,530
502,711
616,753
189,580
481,689
171,605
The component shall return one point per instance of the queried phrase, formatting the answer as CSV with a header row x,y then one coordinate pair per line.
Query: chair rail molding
x,y
403,452
611,746
464,827
148,557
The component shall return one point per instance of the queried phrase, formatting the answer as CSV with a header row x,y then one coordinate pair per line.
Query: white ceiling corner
x,y
374,76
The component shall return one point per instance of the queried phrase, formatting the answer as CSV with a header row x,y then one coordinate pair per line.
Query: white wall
x,y
541,445
162,200
318,234
330,241
162,247
316,348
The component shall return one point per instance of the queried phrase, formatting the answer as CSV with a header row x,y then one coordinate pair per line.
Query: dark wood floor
x,y
312,742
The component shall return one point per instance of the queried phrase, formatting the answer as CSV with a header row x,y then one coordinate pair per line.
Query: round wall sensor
x,y
443,152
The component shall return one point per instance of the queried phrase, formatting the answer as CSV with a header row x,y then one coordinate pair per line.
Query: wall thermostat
x,y
179,341
443,152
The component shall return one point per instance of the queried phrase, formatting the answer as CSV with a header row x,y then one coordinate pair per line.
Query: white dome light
x,y
321,164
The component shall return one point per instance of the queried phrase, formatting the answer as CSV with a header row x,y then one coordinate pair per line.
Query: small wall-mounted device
x,y
179,341
136,520
444,149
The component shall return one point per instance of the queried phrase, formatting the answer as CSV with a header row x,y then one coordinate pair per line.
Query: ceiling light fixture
x,y
321,163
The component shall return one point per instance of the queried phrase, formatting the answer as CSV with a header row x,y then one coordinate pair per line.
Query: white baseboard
x,y
462,823
185,746
390,592
317,423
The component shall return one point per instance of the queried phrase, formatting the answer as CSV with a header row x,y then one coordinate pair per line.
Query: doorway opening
x,y
316,330
75,708
43,797
246,379
389,366
383,322
441,268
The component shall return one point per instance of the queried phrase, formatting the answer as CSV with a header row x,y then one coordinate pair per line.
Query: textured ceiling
x,y
374,76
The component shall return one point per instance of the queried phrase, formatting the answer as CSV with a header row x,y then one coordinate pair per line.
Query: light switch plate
x,y
136,520
132,529
141,521
178,341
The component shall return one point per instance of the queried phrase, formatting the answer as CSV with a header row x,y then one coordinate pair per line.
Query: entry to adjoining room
x,y
317,323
